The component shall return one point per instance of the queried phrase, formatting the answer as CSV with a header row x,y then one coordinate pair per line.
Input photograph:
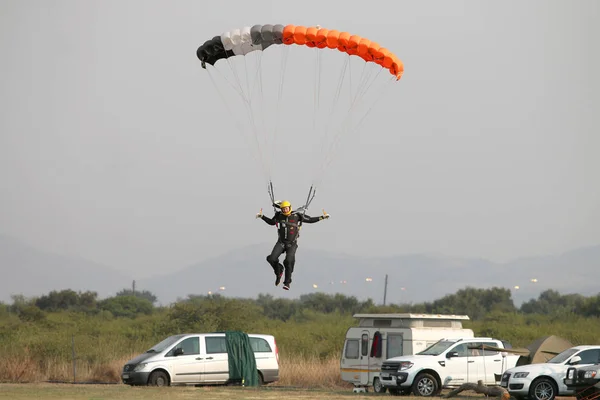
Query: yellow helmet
x,y
286,203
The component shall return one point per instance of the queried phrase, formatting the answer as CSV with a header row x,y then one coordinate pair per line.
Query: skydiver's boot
x,y
278,274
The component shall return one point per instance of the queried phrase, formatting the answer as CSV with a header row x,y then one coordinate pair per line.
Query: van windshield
x,y
168,342
437,348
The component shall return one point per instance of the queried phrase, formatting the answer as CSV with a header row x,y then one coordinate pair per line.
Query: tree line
x,y
474,302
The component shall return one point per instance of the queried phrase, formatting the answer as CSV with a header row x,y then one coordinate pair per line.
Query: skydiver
x,y
288,227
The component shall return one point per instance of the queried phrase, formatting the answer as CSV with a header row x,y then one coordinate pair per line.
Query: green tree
x,y
126,306
144,294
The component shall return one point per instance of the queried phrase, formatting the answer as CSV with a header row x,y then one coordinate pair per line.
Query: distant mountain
x,y
414,278
32,272
244,272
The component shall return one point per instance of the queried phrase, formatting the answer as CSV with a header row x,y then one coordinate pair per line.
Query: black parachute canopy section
x,y
228,44
242,362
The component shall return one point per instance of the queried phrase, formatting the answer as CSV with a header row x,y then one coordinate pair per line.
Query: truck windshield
x,y
562,357
157,348
437,348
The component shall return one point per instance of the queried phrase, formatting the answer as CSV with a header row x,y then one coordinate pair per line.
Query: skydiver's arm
x,y
310,220
270,221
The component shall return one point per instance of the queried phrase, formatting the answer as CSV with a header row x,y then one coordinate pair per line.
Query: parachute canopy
x,y
260,37
295,112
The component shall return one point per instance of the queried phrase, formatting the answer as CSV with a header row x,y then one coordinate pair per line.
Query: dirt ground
x,y
50,391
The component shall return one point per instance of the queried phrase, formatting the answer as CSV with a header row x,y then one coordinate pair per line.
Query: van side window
x,y
215,344
189,346
394,345
260,345
352,348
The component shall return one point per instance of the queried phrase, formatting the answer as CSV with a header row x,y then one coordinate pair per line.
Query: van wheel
x,y
261,380
543,389
425,385
377,386
158,378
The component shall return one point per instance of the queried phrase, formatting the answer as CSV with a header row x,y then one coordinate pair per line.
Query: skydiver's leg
x,y
273,259
288,263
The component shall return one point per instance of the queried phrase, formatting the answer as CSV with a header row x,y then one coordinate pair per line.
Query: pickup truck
x,y
445,364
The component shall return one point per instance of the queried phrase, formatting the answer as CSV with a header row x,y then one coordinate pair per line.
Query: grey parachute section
x,y
239,42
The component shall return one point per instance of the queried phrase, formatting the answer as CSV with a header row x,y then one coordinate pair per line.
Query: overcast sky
x,y
115,146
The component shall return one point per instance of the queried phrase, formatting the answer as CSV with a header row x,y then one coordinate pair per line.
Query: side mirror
x,y
574,360
178,352
451,354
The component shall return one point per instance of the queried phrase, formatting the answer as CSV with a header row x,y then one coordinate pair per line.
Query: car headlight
x,y
520,375
590,374
404,365
140,367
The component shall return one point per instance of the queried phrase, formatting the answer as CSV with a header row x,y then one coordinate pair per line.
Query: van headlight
x,y
518,375
404,365
139,367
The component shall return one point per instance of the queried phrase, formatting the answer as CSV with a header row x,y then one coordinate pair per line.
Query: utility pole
x,y
133,288
385,290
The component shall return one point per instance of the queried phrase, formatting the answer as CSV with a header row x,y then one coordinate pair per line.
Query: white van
x,y
381,336
199,359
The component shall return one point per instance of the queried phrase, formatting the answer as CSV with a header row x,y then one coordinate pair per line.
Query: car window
x,y
461,349
260,345
562,357
591,356
215,344
189,346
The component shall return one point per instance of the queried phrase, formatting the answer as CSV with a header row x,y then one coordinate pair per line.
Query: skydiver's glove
x,y
324,216
259,215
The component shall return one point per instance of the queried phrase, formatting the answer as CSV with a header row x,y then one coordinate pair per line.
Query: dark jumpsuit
x,y
288,232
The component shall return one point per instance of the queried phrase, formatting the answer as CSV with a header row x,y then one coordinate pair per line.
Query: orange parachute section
x,y
353,45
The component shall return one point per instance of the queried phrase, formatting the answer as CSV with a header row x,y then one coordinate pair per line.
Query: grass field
x,y
51,391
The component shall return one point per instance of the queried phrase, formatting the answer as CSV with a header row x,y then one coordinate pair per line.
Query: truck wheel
x,y
377,386
425,385
158,378
543,389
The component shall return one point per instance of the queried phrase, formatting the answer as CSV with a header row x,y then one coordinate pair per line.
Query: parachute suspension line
x,y
238,81
271,194
237,122
283,66
386,88
345,126
348,117
317,87
334,103
234,87
311,195
262,106
316,99
248,105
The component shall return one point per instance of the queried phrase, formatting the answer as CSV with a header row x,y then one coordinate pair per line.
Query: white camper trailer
x,y
381,336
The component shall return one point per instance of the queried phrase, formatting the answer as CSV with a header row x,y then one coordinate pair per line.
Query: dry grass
x,y
305,372
311,372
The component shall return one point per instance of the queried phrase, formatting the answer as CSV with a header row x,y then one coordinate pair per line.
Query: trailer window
x,y
364,345
351,348
394,345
